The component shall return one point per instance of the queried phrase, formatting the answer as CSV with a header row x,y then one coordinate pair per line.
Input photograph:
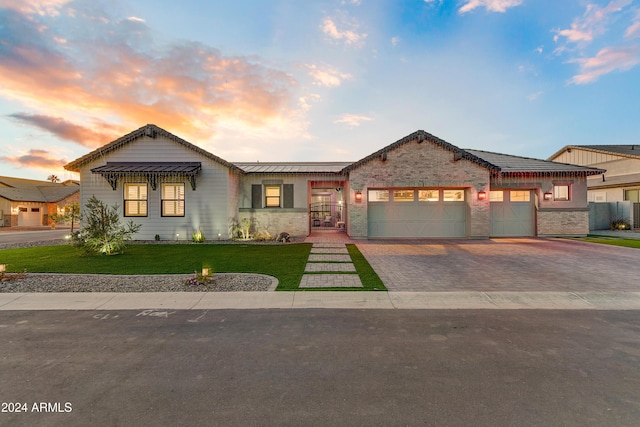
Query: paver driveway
x,y
503,265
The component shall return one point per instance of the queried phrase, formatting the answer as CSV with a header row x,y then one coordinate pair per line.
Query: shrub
x,y
102,232
197,237
620,224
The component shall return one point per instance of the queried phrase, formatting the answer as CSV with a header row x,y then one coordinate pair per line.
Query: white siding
x,y
206,208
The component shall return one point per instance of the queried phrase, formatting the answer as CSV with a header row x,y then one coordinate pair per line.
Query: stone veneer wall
x,y
275,221
420,165
559,222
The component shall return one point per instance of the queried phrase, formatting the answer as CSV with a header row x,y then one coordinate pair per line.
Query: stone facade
x,y
275,221
560,222
420,165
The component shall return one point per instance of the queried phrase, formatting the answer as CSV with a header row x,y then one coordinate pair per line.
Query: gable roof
x,y
420,136
151,131
631,150
517,165
29,190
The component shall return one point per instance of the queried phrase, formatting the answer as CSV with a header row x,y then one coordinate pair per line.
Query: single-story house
x,y
622,163
417,187
27,202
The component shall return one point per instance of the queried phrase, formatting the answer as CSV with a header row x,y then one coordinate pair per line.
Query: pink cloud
x,y
109,70
606,61
593,22
491,5
40,159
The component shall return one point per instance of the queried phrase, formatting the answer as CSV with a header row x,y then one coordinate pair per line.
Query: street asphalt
x,y
320,368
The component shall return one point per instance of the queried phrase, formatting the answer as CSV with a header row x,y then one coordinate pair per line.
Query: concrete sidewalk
x,y
321,299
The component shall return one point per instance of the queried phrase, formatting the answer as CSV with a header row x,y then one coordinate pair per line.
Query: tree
x,y
70,213
53,178
102,232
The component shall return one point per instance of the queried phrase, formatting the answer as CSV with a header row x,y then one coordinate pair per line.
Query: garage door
x,y
29,217
409,213
512,213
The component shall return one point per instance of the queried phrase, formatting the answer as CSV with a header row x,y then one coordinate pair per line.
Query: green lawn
x,y
607,240
285,262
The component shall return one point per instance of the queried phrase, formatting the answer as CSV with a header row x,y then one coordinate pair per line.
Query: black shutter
x,y
256,196
288,196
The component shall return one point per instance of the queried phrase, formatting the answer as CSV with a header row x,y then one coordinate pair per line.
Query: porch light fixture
x,y
548,196
482,195
358,196
206,272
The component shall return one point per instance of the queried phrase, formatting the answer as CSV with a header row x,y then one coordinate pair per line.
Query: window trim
x,y
183,200
145,200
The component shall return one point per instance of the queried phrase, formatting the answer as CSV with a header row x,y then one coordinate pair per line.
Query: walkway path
x,y
329,264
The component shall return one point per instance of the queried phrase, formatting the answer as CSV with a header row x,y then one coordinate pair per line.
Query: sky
x,y
326,80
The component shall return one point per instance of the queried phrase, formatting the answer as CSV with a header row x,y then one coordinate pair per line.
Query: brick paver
x,y
330,281
503,265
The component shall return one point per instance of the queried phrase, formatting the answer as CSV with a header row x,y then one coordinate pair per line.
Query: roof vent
x,y
150,132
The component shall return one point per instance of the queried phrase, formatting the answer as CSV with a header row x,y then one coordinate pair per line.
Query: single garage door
x,y
416,213
512,213
29,217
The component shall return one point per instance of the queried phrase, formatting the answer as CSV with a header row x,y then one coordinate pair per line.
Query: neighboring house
x,y
622,163
26,202
621,182
419,186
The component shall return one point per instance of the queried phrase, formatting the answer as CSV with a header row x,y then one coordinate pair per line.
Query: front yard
x,y
285,262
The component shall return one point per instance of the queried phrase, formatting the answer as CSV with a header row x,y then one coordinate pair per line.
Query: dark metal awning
x,y
151,171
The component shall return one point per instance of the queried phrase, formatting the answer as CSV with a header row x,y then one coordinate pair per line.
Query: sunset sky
x,y
314,80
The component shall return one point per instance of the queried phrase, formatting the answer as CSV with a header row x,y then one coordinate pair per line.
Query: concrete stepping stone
x,y
313,267
329,250
329,257
330,281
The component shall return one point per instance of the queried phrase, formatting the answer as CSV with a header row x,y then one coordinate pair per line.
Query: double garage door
x,y
417,213
442,213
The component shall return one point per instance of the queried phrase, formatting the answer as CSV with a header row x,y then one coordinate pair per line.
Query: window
x,y
173,199
496,196
520,196
428,195
135,200
272,196
378,195
632,195
561,192
403,195
453,196
23,209
35,209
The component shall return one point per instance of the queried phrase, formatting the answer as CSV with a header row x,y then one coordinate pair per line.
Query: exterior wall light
x,y
482,195
548,196
358,196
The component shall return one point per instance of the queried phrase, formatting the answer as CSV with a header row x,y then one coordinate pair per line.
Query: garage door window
x,y
496,196
453,195
378,195
428,195
520,196
403,195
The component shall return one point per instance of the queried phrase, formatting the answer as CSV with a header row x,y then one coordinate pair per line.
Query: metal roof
x,y
157,168
509,164
292,167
